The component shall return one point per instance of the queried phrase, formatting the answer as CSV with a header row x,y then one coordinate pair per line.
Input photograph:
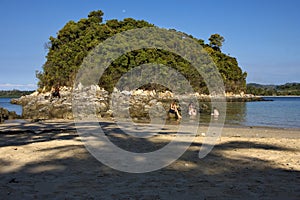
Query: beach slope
x,y
47,160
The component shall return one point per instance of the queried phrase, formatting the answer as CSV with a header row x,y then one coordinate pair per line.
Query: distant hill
x,y
14,93
274,90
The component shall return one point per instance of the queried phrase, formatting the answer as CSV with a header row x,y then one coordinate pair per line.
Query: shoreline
x,y
23,125
283,96
62,109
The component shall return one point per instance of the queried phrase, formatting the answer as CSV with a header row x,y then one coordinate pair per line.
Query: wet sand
x,y
47,160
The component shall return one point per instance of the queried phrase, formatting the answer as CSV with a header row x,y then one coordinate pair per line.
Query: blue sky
x,y
264,35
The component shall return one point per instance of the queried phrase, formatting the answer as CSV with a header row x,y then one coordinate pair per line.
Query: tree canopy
x,y
274,90
75,40
216,41
14,93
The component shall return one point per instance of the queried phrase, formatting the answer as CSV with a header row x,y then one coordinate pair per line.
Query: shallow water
x,y
280,112
5,103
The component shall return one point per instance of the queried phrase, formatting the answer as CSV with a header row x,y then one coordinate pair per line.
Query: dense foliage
x,y
14,93
274,90
76,39
216,41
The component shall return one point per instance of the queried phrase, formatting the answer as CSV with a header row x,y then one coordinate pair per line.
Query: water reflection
x,y
236,113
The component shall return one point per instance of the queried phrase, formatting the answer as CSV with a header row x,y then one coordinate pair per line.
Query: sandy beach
x,y
47,160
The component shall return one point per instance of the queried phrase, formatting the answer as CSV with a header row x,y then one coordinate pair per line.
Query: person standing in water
x,y
192,110
215,113
174,109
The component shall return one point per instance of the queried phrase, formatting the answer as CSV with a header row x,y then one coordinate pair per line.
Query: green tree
x,y
75,40
216,41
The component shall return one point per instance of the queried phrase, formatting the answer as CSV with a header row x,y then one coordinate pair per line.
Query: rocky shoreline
x,y
6,115
135,104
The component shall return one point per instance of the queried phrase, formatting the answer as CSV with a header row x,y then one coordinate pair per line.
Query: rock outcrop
x,y
6,115
43,106
137,105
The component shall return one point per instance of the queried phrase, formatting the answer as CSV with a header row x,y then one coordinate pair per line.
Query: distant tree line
x,y
14,93
274,90
75,40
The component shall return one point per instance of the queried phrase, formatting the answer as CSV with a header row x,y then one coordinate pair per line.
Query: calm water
x,y
5,103
281,112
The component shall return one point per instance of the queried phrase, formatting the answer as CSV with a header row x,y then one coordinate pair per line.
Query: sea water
x,y
278,112
5,103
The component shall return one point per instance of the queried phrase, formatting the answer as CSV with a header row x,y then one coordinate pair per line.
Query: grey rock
x,y
7,115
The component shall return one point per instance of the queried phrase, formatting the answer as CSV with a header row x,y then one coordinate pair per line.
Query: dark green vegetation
x,y
76,39
14,93
274,90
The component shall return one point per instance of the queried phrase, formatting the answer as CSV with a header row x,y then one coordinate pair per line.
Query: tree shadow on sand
x,y
64,169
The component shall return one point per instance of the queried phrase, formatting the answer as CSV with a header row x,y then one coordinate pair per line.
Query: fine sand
x,y
47,160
